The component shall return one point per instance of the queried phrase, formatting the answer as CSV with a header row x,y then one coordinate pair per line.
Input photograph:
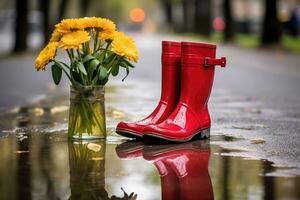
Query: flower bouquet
x,y
96,51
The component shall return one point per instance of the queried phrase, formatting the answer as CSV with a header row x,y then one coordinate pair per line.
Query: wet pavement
x,y
253,152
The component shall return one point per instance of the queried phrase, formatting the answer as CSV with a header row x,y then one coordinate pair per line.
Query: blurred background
x,y
255,103
27,24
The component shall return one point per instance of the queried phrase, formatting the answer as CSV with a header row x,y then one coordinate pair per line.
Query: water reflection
x,y
183,168
87,170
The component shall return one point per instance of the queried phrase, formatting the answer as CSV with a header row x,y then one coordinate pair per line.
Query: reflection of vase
x,y
87,166
87,113
183,168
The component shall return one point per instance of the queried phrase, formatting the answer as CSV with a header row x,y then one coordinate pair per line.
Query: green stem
x,y
70,56
105,50
96,41
79,55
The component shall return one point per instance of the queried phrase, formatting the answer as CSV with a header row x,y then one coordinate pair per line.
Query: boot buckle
x,y
223,61
206,61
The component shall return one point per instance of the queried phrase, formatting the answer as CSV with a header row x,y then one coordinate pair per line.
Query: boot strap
x,y
207,61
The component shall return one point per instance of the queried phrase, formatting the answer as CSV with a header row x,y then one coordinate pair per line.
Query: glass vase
x,y
87,113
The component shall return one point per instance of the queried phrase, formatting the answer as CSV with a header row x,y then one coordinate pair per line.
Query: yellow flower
x,y
74,40
56,36
124,46
69,25
105,27
46,55
108,29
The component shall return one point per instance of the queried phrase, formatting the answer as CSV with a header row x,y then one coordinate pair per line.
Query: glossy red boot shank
x,y
170,91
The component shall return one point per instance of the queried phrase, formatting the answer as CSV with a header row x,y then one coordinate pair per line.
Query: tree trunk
x,y
229,23
21,26
84,6
45,8
167,6
62,9
202,23
271,26
188,15
268,181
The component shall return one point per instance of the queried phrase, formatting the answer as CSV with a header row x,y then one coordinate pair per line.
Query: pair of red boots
x,y
183,168
187,79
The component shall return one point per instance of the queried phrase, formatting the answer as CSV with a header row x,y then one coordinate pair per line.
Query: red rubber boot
x,y
170,91
191,116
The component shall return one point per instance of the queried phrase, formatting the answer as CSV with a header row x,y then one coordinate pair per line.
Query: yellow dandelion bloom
x,y
46,55
124,45
108,29
74,40
56,36
69,25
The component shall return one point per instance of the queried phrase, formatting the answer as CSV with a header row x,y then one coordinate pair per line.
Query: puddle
x,y
48,166
240,161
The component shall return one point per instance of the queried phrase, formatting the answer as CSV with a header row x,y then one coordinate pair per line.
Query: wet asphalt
x,y
255,100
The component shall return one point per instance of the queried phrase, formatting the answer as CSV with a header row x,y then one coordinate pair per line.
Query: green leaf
x,y
123,64
103,73
81,67
56,73
127,73
104,81
87,58
75,76
115,70
94,64
108,59
129,63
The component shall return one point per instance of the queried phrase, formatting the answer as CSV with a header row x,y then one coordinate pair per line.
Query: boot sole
x,y
203,134
128,134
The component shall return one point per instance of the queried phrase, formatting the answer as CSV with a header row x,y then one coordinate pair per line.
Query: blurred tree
x,y
62,9
21,26
24,168
45,9
84,6
202,23
226,175
167,6
229,23
188,15
268,181
271,33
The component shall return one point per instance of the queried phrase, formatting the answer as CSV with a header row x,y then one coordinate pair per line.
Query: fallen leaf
x,y
252,110
94,147
22,151
122,173
97,158
257,141
117,114
248,128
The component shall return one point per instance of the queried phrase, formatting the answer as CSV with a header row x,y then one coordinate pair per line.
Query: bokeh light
x,y
137,15
218,24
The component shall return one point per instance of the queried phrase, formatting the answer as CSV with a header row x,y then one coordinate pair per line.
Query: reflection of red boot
x,y
189,161
168,178
169,92
191,116
130,150
169,181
